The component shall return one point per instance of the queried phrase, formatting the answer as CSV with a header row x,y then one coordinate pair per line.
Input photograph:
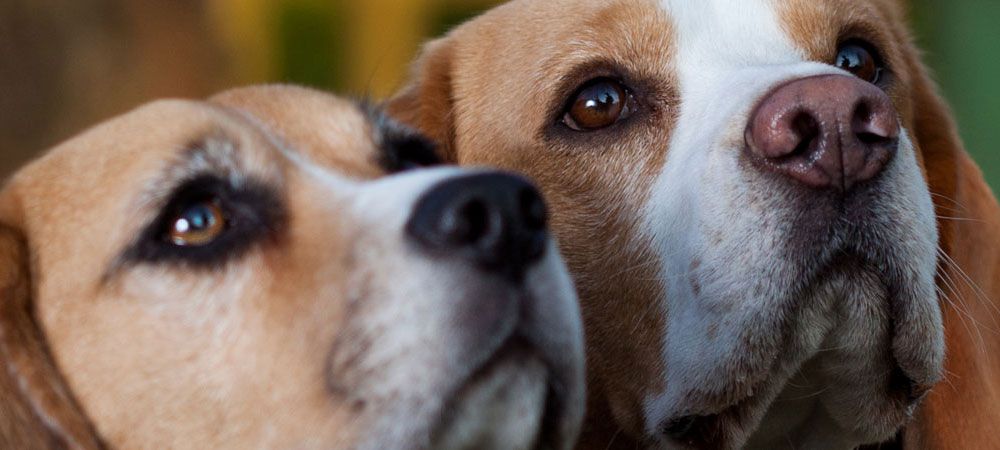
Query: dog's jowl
x,y
746,194
261,271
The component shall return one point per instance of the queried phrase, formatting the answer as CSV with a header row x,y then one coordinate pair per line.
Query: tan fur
x,y
617,279
615,276
272,349
77,301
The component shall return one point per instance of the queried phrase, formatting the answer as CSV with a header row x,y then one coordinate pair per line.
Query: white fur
x,y
730,54
420,346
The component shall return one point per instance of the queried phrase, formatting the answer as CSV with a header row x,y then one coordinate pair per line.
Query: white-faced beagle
x,y
775,231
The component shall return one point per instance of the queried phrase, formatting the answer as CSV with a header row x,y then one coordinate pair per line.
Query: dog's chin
x,y
527,392
836,382
811,319
837,379
501,369
503,405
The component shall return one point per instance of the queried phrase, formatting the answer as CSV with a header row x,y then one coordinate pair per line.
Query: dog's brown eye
x,y
598,104
858,59
209,221
197,225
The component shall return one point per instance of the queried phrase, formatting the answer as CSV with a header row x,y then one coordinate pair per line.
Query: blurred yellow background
x,y
67,64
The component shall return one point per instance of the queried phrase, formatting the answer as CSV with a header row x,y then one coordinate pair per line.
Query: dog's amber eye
x,y
858,59
598,104
198,224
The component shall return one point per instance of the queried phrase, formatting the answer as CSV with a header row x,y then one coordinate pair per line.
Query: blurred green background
x,y
961,42
66,64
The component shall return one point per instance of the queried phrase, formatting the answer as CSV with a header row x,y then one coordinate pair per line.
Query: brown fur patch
x,y
474,102
961,411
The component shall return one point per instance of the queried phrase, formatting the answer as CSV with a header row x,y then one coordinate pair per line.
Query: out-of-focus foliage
x,y
961,39
65,64
361,48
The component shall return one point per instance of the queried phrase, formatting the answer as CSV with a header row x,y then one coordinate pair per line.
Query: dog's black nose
x,y
496,221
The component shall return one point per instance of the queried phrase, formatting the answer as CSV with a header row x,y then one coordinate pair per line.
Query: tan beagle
x,y
772,223
250,272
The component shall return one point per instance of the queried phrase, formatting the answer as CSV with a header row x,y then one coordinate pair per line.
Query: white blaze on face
x,y
729,54
708,212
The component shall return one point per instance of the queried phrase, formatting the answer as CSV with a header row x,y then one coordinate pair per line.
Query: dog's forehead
x,y
128,153
720,33
121,167
714,33
325,130
259,133
704,33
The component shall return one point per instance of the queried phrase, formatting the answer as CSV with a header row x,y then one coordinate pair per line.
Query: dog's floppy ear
x,y
968,275
427,102
37,410
937,135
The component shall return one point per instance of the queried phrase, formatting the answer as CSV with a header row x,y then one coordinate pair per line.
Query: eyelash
x,y
253,213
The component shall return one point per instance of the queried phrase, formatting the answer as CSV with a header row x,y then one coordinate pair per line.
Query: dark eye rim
x,y
253,212
653,99
628,107
882,69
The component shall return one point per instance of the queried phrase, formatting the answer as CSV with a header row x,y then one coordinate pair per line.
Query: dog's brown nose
x,y
829,131
495,221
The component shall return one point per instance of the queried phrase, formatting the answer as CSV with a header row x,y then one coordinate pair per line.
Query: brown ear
x,y
961,412
427,102
36,409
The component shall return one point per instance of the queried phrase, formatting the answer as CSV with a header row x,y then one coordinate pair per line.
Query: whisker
x,y
833,349
962,314
948,375
963,274
953,201
614,437
980,294
812,395
960,219
635,268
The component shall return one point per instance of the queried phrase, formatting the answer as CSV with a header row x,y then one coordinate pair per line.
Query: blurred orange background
x,y
67,64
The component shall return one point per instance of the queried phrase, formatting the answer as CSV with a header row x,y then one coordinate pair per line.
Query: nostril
x,y
532,209
535,215
872,139
469,224
873,128
863,113
785,135
807,129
